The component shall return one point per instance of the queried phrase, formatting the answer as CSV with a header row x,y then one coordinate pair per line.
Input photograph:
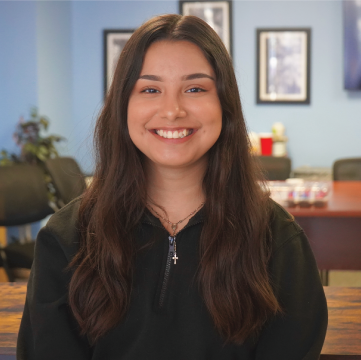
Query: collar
x,y
149,218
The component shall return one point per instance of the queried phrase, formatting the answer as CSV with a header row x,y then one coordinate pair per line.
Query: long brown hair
x,y
235,241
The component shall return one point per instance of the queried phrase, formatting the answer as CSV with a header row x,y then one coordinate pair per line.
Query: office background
x,y
51,56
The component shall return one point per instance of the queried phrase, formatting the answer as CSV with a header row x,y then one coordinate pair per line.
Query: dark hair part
x,y
235,242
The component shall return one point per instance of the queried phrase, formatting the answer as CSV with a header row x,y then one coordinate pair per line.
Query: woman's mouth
x,y
173,134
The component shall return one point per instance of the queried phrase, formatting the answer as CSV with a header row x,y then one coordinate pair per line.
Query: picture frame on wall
x,y
283,66
351,41
114,41
217,14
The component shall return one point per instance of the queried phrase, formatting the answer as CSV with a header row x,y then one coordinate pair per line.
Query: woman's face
x,y
174,113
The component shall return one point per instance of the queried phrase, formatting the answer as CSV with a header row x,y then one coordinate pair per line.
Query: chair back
x,y
67,177
347,169
275,168
23,195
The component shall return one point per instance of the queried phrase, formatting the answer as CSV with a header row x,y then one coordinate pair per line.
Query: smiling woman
x,y
174,251
174,113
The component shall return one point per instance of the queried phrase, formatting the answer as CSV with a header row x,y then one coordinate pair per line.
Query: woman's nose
x,y
171,107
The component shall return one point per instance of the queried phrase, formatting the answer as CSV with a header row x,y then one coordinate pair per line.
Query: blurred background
x,y
52,57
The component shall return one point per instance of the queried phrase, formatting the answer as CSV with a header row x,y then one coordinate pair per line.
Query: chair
x,y
67,178
23,200
347,169
275,168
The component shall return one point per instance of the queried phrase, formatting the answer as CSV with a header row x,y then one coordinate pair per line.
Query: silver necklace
x,y
175,225
172,243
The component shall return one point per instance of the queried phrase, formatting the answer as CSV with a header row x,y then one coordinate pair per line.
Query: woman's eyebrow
x,y
196,76
184,77
151,77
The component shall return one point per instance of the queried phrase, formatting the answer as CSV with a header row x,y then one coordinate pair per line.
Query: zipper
x,y
171,255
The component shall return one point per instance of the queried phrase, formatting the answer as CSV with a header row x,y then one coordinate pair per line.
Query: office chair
x,y
347,169
67,178
275,168
23,200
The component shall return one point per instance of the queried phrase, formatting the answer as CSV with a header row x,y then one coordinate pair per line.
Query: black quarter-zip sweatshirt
x,y
167,318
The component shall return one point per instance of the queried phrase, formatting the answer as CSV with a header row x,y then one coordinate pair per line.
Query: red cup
x,y
266,144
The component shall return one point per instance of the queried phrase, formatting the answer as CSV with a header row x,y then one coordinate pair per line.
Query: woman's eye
x,y
195,90
150,91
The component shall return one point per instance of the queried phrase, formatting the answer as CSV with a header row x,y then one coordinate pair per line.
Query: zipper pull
x,y
172,252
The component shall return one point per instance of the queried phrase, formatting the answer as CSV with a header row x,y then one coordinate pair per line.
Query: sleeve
x,y
48,330
299,332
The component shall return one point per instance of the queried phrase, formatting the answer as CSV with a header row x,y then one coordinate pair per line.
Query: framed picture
x,y
114,41
351,41
217,14
283,71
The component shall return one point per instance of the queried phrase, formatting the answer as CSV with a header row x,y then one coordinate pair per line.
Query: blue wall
x,y
18,66
330,127
89,19
54,62
51,55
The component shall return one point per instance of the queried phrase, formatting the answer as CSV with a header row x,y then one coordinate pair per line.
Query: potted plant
x,y
35,149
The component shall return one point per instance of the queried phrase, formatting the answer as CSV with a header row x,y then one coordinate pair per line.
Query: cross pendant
x,y
174,227
175,258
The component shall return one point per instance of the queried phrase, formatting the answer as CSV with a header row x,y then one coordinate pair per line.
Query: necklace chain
x,y
175,225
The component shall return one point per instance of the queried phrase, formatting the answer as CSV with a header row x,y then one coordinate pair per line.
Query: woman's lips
x,y
174,136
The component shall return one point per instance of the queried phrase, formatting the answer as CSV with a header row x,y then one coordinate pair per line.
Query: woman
x,y
174,252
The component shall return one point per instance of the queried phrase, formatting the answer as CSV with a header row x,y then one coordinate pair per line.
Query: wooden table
x,y
343,339
335,230
3,276
12,299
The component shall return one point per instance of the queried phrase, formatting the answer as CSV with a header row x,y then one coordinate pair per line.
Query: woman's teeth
x,y
177,134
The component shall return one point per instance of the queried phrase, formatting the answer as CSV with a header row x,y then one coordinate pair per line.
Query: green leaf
x,y
41,157
55,138
45,122
34,112
30,148
43,150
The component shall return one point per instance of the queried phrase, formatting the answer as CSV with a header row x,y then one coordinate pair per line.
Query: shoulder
x,y
66,215
283,226
62,228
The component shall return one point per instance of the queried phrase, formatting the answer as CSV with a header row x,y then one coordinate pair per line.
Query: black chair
x,y
347,169
275,168
23,200
67,178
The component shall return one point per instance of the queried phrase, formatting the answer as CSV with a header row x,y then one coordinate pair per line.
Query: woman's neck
x,y
178,191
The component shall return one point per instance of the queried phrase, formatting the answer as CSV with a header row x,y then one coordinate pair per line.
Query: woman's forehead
x,y
167,56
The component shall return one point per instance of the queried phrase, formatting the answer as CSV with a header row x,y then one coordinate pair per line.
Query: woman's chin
x,y
173,162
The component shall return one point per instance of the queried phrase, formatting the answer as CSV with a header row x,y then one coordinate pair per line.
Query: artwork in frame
x,y
217,14
114,41
283,69
352,41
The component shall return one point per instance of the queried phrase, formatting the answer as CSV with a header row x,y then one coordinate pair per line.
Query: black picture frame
x,y
218,14
113,44
283,65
